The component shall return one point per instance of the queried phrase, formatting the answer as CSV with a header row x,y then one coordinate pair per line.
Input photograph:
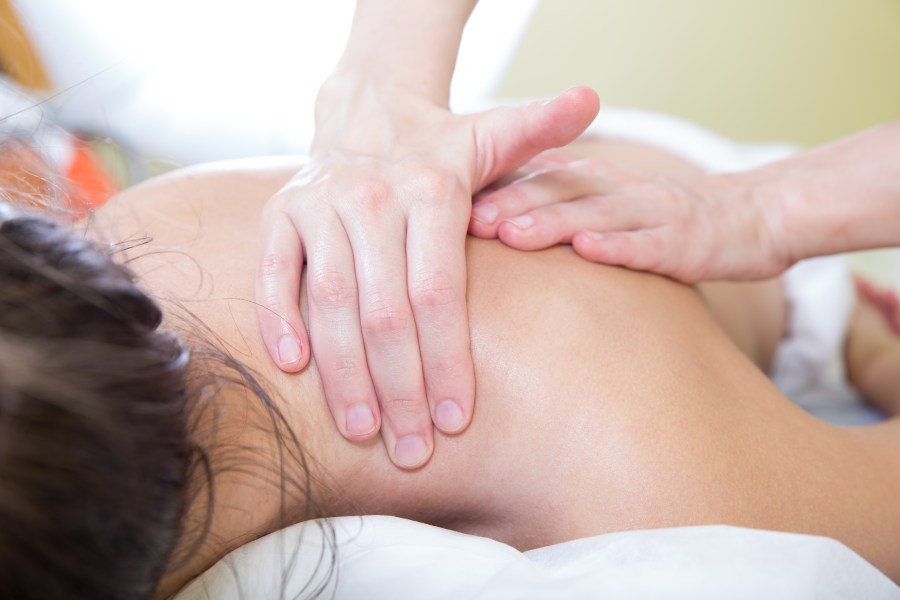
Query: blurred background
x,y
805,71
155,83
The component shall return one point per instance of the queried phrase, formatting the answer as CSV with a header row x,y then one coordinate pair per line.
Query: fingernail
x,y
448,416
594,235
288,350
360,419
522,221
410,451
485,213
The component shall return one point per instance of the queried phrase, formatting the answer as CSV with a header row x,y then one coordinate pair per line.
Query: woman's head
x,y
94,452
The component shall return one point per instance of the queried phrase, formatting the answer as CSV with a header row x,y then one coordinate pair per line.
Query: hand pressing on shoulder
x,y
840,197
379,216
691,228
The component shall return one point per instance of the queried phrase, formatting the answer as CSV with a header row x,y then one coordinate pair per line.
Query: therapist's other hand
x,y
691,228
380,215
884,299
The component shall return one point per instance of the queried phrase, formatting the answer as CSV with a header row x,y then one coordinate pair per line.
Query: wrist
x,y
761,220
362,115
841,197
775,205
355,90
399,42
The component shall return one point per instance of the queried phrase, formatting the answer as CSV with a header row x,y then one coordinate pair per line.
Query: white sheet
x,y
385,558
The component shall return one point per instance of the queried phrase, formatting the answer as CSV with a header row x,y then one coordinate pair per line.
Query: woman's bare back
x,y
606,399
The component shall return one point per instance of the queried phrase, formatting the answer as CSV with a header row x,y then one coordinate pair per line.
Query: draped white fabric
x,y
384,558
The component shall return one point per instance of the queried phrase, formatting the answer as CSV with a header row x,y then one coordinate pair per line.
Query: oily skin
x,y
607,400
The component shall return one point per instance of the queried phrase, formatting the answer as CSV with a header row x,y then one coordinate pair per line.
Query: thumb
x,y
506,138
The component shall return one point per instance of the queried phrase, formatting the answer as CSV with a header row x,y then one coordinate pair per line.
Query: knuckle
x,y
512,199
553,214
434,185
346,368
433,291
562,174
403,403
273,311
331,289
280,202
592,166
385,317
446,364
276,264
518,198
650,190
292,200
606,209
371,192
661,195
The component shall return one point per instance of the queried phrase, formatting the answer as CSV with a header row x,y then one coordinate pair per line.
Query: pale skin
x,y
379,215
607,399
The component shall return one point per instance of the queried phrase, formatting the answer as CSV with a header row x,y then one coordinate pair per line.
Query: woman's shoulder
x,y
193,206
243,179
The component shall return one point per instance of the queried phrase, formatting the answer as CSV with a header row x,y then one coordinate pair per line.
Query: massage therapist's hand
x,y
840,197
692,228
380,215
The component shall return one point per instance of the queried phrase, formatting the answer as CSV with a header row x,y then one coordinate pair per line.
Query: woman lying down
x,y
145,432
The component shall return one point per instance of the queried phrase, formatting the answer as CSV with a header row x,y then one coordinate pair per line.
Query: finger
x,y
640,250
894,311
389,333
528,192
880,297
888,304
863,286
550,185
437,285
335,329
885,299
688,260
278,291
558,223
506,138
890,308
542,228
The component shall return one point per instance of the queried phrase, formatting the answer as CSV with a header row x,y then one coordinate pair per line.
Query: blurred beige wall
x,y
800,70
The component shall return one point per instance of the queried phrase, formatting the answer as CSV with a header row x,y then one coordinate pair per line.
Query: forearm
x,y
406,43
841,197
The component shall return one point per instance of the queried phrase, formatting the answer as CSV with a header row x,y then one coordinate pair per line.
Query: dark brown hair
x,y
99,461
98,411
94,454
